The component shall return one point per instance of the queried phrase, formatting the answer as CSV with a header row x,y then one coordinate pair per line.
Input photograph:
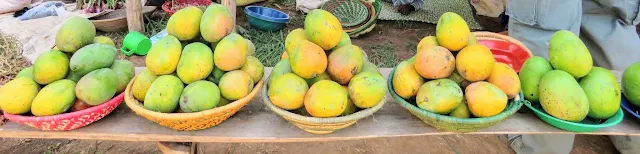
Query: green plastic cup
x,y
136,43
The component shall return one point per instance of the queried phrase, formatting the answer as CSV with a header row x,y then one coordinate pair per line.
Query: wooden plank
x,y
256,123
134,15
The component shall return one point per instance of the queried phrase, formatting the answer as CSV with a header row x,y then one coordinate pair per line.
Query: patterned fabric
x,y
418,4
431,12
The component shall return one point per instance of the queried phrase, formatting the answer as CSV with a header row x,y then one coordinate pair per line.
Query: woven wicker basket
x,y
71,120
115,21
371,22
190,121
349,12
454,124
448,123
319,125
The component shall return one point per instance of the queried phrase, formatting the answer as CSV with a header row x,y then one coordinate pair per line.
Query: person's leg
x,y
543,144
533,22
407,6
626,144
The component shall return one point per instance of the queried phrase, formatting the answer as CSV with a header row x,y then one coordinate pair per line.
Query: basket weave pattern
x,y
319,125
448,123
68,121
190,121
454,124
349,12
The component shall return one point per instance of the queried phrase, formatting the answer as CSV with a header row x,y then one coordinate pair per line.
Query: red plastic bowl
x,y
169,4
68,121
507,52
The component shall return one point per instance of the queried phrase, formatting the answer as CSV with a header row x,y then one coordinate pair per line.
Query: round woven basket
x,y
115,21
349,12
180,4
71,120
449,123
454,124
368,26
190,121
319,125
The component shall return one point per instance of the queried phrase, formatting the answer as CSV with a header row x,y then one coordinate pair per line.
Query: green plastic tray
x,y
587,125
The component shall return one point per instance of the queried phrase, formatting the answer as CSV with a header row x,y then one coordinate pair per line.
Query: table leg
x,y
177,148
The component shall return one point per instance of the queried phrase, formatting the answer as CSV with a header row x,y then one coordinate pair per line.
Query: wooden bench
x,y
256,123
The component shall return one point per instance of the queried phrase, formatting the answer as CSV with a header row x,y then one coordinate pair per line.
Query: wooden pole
x,y
134,15
231,5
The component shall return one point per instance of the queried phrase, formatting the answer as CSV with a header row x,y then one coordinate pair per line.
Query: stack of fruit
x,y
631,84
570,88
213,77
90,77
452,74
326,86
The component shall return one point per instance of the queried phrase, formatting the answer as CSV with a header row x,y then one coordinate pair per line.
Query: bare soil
x,y
445,144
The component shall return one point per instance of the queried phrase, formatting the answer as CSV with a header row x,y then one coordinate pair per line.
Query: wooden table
x,y
256,123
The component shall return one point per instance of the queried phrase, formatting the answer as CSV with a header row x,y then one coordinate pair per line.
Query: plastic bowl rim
x,y
256,15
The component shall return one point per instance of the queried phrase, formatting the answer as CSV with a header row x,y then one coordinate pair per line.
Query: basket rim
x,y
511,108
115,101
357,5
627,106
612,121
300,118
484,35
136,106
166,6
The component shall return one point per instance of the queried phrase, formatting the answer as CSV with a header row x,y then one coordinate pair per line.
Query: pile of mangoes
x,y
322,74
213,78
567,86
91,76
451,74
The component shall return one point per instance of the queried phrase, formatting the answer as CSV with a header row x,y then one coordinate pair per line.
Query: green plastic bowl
x,y
453,124
587,125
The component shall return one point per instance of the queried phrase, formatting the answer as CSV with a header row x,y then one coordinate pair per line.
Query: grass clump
x,y
11,60
269,44
383,55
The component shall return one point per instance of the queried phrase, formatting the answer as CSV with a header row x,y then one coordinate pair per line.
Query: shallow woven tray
x,y
366,27
190,121
319,125
116,20
449,123
349,12
71,120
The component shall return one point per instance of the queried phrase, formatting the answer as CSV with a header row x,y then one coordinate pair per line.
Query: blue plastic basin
x,y
264,18
627,106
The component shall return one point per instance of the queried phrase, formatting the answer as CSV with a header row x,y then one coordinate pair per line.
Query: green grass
x,y
269,45
405,24
284,2
52,149
155,26
413,46
383,55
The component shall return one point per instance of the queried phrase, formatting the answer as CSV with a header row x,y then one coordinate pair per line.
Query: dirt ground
x,y
399,38
458,144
